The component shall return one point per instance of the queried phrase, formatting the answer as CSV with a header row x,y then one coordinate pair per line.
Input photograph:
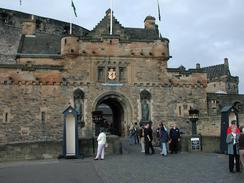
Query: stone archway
x,y
117,112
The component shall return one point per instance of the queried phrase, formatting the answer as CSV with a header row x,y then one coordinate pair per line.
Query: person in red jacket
x,y
233,125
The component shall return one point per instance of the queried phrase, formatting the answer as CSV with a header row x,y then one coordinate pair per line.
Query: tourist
x,y
232,140
174,138
164,139
101,139
133,134
142,141
148,139
158,143
241,145
232,125
136,129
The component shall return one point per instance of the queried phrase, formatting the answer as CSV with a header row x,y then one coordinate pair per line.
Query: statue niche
x,y
78,104
145,98
145,110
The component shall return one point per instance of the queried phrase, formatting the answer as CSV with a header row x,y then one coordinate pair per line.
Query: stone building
x,y
44,69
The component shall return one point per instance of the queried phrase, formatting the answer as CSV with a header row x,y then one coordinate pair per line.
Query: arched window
x,y
79,104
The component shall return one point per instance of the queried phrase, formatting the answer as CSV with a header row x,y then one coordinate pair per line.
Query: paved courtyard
x,y
132,166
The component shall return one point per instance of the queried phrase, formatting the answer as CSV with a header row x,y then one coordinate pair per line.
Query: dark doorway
x,y
113,114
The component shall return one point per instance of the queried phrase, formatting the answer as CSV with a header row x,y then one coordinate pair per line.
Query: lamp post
x,y
195,140
193,117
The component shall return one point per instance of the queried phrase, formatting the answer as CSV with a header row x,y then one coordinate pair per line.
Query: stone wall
x,y
9,42
54,149
210,144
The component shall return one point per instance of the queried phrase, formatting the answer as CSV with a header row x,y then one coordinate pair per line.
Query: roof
x,y
126,34
226,108
141,34
40,44
216,71
47,38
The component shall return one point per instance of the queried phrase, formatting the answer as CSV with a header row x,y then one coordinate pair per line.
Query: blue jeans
x,y
164,149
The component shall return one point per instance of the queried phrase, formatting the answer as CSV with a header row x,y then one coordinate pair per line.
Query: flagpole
x,y
159,20
70,24
70,28
111,17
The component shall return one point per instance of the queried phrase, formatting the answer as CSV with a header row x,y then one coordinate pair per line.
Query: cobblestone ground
x,y
132,167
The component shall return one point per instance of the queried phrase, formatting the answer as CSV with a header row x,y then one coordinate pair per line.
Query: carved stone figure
x,y
145,110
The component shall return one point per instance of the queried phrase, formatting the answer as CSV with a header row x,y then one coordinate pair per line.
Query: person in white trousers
x,y
101,140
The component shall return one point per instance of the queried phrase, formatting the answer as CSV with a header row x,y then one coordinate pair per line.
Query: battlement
x,y
114,47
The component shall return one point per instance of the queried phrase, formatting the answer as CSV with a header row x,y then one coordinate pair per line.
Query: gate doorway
x,y
116,112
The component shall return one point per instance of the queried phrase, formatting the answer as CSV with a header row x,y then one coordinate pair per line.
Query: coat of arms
x,y
111,74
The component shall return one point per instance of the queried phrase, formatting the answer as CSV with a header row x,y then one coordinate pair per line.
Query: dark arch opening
x,y
113,114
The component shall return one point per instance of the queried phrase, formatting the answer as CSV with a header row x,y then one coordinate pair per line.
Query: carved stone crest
x,y
111,74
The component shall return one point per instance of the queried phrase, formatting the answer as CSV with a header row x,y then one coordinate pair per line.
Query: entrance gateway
x,y
116,111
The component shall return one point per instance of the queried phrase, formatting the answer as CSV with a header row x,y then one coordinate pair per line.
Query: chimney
x,y
29,26
149,23
198,66
226,62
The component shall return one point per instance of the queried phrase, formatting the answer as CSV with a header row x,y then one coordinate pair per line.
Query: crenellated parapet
x,y
113,47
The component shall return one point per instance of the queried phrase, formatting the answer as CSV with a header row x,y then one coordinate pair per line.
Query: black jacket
x,y
174,133
148,132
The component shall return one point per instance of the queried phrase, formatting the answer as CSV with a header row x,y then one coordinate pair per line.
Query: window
x,y
6,117
100,74
43,119
121,74
180,111
185,107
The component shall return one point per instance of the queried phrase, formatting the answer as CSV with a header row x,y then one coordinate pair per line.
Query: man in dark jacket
x,y
174,135
148,139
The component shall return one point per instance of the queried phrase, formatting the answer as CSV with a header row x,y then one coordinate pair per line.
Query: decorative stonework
x,y
24,131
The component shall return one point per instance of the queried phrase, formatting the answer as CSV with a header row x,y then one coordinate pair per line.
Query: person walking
x,y
132,134
142,141
136,130
148,139
174,138
164,139
101,139
232,141
241,146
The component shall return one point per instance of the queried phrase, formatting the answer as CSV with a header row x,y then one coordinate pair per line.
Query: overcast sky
x,y
200,31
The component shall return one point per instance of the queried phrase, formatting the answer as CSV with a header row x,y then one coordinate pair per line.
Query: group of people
x,y
168,141
235,143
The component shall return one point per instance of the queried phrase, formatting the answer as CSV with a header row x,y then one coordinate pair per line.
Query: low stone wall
x,y
53,150
210,144
88,147
29,151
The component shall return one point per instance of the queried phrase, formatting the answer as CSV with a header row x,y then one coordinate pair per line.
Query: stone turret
x,y
149,23
226,62
70,45
198,66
